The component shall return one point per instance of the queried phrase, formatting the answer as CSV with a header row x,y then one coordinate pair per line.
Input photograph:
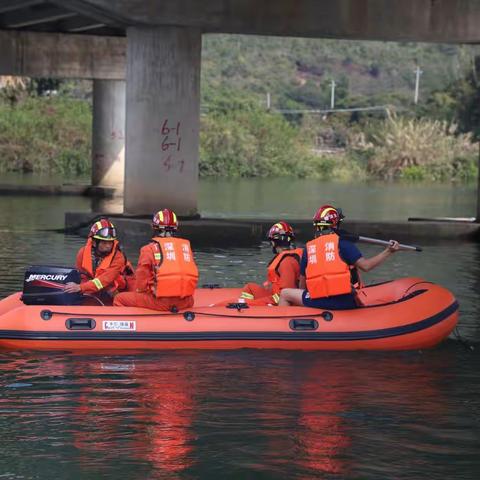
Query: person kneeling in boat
x,y
104,268
325,274
283,270
166,275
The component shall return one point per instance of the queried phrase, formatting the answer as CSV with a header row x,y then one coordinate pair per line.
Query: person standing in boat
x,y
283,271
166,275
104,268
325,277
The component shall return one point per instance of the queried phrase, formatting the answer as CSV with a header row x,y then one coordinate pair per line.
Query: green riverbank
x,y
239,138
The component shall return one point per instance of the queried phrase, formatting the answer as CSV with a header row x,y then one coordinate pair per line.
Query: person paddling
x,y
166,275
325,277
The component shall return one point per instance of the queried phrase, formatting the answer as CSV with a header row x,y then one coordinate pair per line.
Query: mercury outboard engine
x,y
43,285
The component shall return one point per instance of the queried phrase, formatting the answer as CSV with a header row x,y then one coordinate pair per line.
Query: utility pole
x,y
418,72
332,94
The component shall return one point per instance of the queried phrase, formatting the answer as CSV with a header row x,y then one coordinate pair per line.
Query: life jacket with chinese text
x,y
176,274
326,273
91,269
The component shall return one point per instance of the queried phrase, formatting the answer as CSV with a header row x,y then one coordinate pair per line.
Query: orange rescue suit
x,y
283,271
176,274
107,276
273,275
326,273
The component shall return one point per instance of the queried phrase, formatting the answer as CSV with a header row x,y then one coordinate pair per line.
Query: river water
x,y
248,414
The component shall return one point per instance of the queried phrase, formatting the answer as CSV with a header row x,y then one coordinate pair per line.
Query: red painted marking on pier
x,y
171,144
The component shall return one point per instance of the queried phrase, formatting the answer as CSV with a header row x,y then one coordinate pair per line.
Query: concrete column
x,y
163,111
108,134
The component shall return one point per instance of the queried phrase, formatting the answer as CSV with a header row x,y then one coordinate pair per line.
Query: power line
x,y
333,110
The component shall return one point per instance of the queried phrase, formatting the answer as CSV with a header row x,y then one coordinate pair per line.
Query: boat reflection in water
x,y
143,414
270,412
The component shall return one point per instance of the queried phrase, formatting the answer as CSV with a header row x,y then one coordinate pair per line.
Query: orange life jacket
x,y
176,274
272,270
326,273
89,270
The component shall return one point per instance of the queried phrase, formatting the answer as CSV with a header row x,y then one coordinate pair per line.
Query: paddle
x,y
376,241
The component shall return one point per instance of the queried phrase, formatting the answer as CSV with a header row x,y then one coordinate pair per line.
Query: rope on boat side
x,y
327,315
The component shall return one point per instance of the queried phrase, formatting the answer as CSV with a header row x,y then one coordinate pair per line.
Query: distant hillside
x,y
297,72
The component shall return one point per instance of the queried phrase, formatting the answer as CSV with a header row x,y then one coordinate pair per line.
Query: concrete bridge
x,y
144,57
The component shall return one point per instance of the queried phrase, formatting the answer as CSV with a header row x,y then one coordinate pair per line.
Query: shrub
x,y
40,134
413,173
414,148
249,141
465,169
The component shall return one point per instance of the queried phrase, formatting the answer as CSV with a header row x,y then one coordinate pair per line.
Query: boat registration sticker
x,y
123,325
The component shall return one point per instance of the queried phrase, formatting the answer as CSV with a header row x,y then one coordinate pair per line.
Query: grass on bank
x,y
39,134
422,149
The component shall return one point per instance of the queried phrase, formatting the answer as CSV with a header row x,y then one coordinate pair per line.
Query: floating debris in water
x,y
19,385
117,366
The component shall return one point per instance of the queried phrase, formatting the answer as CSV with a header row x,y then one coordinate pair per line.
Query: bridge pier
x,y
162,120
108,134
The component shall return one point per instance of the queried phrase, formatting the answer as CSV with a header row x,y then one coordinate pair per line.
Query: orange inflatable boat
x,y
404,314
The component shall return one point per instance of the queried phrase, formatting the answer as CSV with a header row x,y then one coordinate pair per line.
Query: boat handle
x,y
80,323
303,324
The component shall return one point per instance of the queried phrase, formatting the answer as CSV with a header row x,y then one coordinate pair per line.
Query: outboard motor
x,y
43,285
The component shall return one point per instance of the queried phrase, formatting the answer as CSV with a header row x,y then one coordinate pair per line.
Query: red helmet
x,y
282,235
103,230
279,230
327,216
165,220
